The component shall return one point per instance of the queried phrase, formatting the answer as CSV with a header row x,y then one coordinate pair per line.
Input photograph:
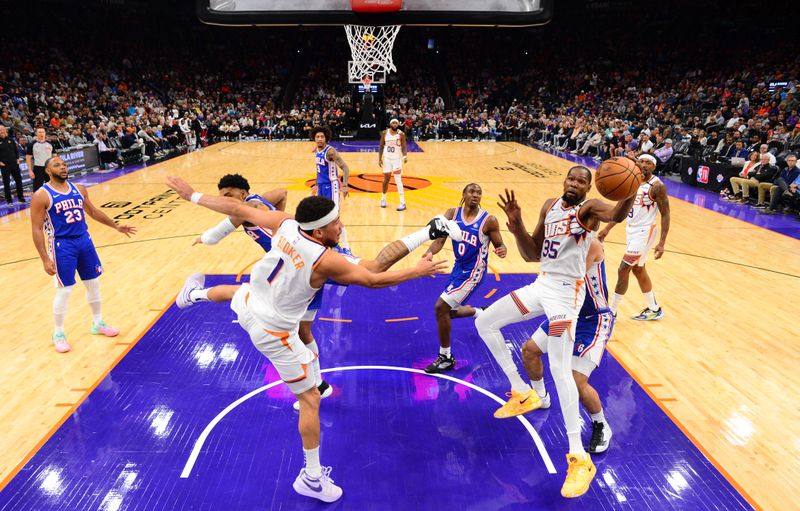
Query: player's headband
x,y
322,222
649,157
394,120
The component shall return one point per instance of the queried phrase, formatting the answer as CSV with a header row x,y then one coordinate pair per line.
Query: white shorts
x,y
393,166
291,358
558,298
640,241
593,333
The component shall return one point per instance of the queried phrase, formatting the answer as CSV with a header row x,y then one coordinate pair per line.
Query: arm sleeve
x,y
217,233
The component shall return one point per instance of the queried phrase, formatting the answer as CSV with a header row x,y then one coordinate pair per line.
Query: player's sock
x,y
198,295
415,239
383,197
343,239
398,180
559,350
477,312
93,297
651,301
444,351
60,307
313,468
598,417
615,301
538,386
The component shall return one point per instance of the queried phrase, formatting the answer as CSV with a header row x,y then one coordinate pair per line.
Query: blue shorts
x,y
316,302
461,286
329,191
71,254
591,335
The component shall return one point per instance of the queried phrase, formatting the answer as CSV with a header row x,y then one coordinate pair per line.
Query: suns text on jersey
x,y
560,228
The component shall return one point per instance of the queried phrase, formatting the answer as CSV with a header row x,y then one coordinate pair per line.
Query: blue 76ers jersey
x,y
327,171
260,235
472,252
596,301
65,216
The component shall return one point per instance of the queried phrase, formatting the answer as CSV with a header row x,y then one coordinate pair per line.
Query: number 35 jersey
x,y
65,216
566,242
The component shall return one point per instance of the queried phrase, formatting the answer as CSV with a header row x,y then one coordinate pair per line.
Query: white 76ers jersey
x,y
392,149
643,213
566,242
280,282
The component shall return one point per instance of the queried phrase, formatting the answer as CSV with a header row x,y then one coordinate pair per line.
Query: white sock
x,y
60,307
615,301
93,297
477,313
444,351
538,386
559,350
651,301
343,239
313,468
598,417
415,239
398,180
383,196
198,295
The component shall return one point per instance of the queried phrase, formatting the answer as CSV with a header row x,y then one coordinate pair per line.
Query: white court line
x,y
198,445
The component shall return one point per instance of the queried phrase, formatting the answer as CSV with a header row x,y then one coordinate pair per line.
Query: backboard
x,y
489,13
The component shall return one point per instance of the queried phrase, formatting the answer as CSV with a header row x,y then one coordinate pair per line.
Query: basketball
x,y
618,178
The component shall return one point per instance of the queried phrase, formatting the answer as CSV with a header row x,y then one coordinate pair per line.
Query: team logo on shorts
x,y
449,287
98,269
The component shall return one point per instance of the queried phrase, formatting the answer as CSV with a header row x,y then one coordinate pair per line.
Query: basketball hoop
x,y
370,45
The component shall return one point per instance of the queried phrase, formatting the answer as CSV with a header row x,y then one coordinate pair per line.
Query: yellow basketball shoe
x,y
580,473
520,402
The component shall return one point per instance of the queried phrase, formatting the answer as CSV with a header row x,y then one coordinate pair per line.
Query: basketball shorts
x,y
591,336
75,254
640,241
392,166
461,286
285,350
330,191
557,298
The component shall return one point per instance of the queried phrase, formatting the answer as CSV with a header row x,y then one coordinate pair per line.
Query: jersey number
x,y
389,149
72,216
462,249
253,235
550,249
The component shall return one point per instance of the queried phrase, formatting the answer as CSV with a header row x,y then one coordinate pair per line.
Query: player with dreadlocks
x,y
478,228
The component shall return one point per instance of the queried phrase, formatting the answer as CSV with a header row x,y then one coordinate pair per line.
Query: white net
x,y
372,52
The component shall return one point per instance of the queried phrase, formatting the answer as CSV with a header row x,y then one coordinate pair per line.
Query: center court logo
x,y
371,183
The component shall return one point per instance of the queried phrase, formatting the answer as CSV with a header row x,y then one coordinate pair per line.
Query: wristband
x,y
196,197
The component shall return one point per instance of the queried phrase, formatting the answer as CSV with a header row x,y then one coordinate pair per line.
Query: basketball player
x,y
328,163
391,155
472,253
595,324
641,233
561,241
283,282
60,207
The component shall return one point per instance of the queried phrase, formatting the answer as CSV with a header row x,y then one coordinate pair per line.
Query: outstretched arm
x,y
101,217
334,266
605,230
228,206
529,245
596,211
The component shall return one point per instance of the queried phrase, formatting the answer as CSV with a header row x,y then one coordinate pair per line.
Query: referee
x,y
38,153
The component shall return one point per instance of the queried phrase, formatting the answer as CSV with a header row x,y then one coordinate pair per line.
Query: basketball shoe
x,y
321,488
440,227
193,281
650,315
519,403
441,364
580,473
101,328
60,342
601,437
325,390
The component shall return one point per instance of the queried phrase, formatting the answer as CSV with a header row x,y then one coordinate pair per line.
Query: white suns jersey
x,y
643,213
280,282
392,149
566,242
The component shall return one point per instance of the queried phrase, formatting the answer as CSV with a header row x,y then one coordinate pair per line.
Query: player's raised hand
x,y
183,188
127,230
427,267
510,207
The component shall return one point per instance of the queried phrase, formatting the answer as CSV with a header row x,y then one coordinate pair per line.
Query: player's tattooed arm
x,y
662,199
387,257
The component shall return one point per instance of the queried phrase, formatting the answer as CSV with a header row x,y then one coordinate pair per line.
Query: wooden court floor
x,y
720,362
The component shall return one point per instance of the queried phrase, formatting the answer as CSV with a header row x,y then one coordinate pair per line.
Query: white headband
x,y
649,157
394,120
322,222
